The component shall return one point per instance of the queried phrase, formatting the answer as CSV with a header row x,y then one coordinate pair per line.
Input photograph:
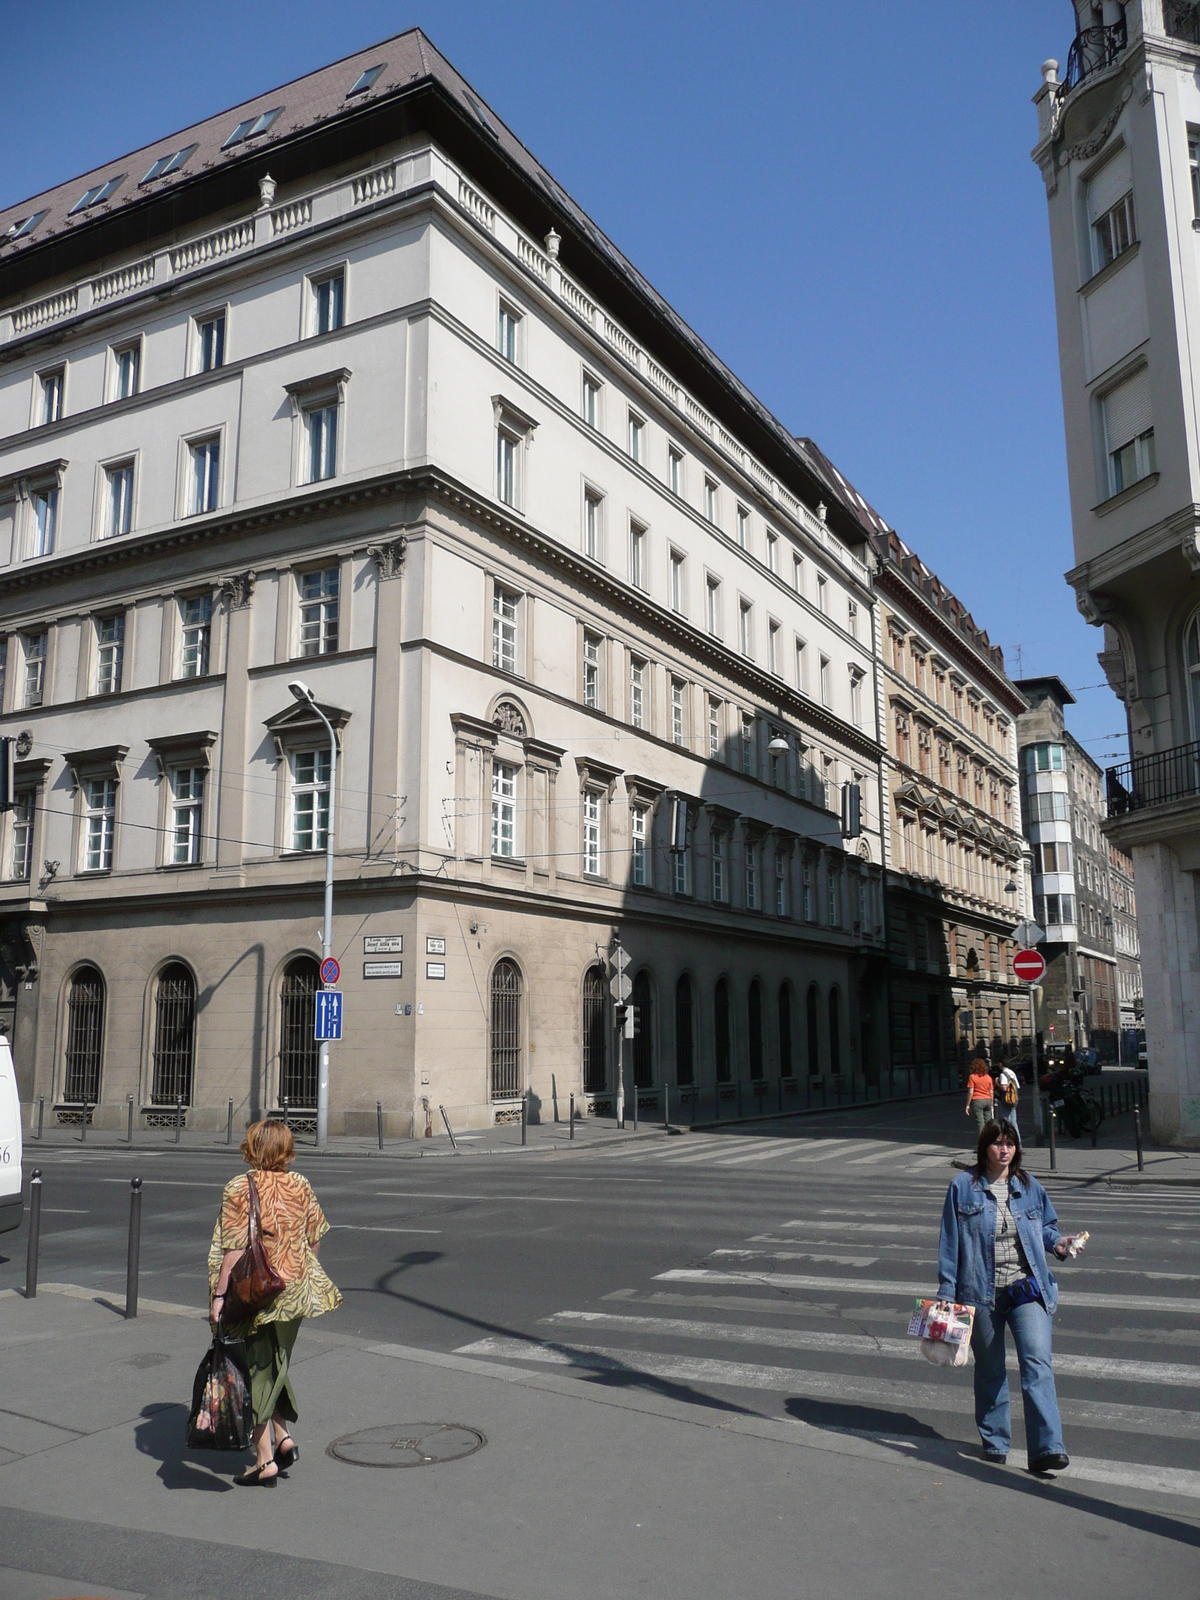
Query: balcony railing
x,y
1092,51
1181,18
1154,780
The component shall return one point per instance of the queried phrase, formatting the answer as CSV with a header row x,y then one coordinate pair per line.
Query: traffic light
x,y
8,779
851,810
633,1021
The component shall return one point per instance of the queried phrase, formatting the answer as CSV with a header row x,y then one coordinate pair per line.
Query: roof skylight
x,y
365,79
93,196
24,226
252,127
170,163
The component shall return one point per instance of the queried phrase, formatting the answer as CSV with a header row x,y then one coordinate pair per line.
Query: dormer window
x,y
169,163
24,226
365,80
252,127
96,195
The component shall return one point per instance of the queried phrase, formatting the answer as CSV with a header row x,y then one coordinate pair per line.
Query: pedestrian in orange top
x,y
980,1092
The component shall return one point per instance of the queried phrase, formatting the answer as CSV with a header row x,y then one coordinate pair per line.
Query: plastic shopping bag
x,y
221,1417
944,1331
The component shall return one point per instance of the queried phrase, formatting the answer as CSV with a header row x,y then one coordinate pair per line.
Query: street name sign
x,y
383,969
329,1014
1029,965
383,944
330,971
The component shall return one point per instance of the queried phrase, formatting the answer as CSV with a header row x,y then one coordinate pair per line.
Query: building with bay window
x,y
341,386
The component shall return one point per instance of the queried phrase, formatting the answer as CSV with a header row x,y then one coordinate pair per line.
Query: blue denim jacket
x,y
967,1252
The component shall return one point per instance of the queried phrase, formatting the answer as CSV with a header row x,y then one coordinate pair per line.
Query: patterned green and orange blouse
x,y
292,1223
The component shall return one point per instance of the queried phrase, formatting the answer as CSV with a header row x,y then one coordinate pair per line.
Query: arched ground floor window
x,y
85,1037
299,1052
174,1036
685,1066
507,1078
595,1031
814,1033
643,1043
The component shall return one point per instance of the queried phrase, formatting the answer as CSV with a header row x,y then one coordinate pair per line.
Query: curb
x,y
1118,1179
33,1147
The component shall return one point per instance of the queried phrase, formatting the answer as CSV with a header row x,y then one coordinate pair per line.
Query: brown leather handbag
x,y
253,1283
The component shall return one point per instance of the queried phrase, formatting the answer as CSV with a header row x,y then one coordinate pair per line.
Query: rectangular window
x,y
743,528
504,809
52,396
328,300
1114,232
592,525
677,589
806,892
780,884
640,856
773,553
319,611
747,741
822,595
310,799
210,342
21,862
824,678
125,371
856,699
45,522
34,686
195,617
637,439
206,476
835,909
1044,758
714,730
751,877
591,670
637,555
675,470
510,321
852,619
798,574
1129,432
507,446
118,498
591,400
100,817
322,442
110,653
801,666
710,501
719,855
591,833
187,812
778,759
1194,168
745,627
681,881
504,629
712,602
678,689
637,692
773,647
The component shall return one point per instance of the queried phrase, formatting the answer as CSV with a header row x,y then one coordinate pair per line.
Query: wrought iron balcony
x,y
1154,780
1181,18
1091,51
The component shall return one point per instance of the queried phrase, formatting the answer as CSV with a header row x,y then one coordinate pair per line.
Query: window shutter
x,y
1127,411
1114,179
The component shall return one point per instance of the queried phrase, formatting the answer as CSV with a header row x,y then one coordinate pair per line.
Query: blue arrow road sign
x,y
329,1014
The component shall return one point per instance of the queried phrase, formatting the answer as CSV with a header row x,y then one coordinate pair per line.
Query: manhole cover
x,y
407,1444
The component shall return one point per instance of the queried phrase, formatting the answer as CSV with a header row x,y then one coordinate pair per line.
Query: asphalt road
x,y
739,1270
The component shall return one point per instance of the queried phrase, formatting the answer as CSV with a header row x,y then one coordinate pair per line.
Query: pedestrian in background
x,y
1008,1092
292,1228
980,1092
997,1224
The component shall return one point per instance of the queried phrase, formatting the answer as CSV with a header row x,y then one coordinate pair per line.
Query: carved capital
x,y
1190,547
389,558
237,589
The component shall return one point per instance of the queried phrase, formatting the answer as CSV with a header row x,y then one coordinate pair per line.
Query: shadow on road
x,y
871,1420
163,1435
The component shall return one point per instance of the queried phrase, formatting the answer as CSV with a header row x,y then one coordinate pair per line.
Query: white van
x,y
11,1203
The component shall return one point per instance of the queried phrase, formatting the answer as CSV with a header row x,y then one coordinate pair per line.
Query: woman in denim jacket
x,y
997,1224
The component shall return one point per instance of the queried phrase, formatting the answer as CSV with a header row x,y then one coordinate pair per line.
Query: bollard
x,y
1053,1146
524,1108
83,1124
1094,1137
839,1090
572,1116
1137,1135
229,1123
129,1134
178,1116
449,1129
853,1090
379,1121
287,1113
135,1248
554,1094
739,1099
779,1086
808,1094
717,1103
635,1100
35,1234
666,1107
41,1113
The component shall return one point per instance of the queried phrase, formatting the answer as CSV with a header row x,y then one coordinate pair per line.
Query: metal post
x,y
554,1095
83,1124
1137,1134
666,1106
717,1103
35,1234
306,697
808,1094
620,1076
572,1116
379,1121
524,1107
635,1097
445,1119
1093,1138
135,1248
739,1099
178,1116
779,1085
129,1136
287,1113
41,1113
1053,1146
229,1123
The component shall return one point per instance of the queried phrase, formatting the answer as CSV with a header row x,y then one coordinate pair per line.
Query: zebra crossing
x,y
805,1318
765,1153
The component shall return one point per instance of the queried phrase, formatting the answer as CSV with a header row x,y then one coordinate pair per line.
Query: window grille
x,y
85,1037
298,1049
721,1031
507,1075
684,1033
643,1047
835,1046
174,1036
755,1020
814,1041
595,1031
785,1031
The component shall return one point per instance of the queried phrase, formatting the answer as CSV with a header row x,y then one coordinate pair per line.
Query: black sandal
x,y
253,1477
287,1454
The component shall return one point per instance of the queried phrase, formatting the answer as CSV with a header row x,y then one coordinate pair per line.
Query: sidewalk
x,y
584,1489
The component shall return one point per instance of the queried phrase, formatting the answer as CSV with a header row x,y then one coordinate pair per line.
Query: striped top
x,y
1010,1258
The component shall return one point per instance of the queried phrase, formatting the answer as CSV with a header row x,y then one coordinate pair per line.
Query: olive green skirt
x,y
268,1354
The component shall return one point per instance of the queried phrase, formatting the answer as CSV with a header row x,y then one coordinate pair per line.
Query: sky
x,y
837,197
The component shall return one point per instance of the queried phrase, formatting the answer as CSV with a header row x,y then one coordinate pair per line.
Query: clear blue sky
x,y
838,197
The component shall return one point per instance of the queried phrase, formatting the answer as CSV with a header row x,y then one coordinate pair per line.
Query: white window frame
x,y
316,282
592,823
852,618
714,728
856,709
772,552
712,604
119,497
35,650
186,840
743,529
504,811
637,692
636,438
678,711
781,906
746,626
50,394
640,859
125,370
98,833
593,646
513,434
720,885
20,836
591,400
639,546
677,573
506,617
195,635
822,594
203,475
200,340
322,439
823,680
308,801
318,615
712,502
1114,233
45,503
797,572
509,331
746,731
110,653
676,472
751,876
801,664
592,527
773,632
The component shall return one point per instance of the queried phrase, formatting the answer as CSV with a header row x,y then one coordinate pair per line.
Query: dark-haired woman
x,y
997,1224
292,1228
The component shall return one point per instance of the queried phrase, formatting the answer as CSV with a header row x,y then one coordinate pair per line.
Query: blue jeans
x,y
1030,1325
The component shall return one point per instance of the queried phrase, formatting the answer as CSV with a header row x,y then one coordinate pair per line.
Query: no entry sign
x,y
1029,965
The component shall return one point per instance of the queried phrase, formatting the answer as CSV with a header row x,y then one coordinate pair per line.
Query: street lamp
x,y
306,698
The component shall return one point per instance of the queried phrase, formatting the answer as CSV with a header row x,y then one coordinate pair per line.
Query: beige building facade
x,y
341,387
